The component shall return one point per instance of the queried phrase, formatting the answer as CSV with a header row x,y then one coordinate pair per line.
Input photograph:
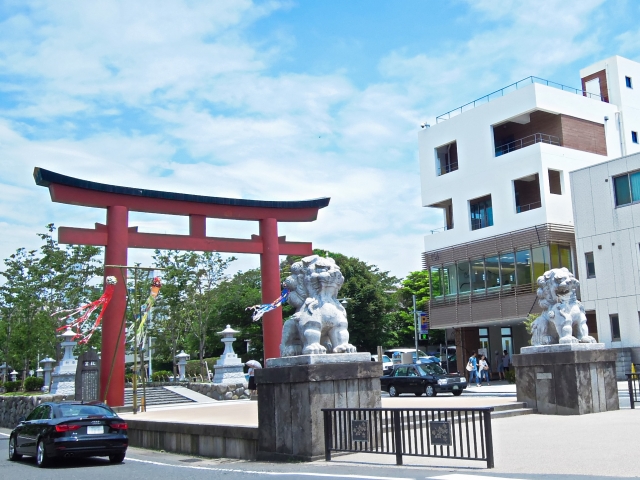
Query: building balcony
x,y
527,141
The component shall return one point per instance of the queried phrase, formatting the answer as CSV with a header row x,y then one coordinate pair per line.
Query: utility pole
x,y
415,327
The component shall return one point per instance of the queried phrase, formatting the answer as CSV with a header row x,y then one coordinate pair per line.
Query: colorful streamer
x,y
83,326
146,308
260,310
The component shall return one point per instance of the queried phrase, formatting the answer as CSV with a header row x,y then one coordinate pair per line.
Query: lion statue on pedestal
x,y
320,322
563,319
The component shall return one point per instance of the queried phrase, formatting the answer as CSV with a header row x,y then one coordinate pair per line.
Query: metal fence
x,y
633,380
456,433
527,141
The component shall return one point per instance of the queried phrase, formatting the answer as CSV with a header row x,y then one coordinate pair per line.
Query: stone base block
x,y
291,399
568,382
319,359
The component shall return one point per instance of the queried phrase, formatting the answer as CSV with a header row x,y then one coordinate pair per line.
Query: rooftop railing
x,y
515,86
527,141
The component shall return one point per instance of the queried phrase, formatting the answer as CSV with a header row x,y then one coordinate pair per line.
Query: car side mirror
x,y
21,419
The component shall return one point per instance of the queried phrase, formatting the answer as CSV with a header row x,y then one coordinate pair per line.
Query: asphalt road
x,y
143,464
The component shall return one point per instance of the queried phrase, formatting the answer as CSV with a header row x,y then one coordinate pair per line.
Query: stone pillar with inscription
x,y
292,391
88,377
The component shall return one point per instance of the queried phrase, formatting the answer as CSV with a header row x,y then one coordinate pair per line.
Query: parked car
x,y
396,355
70,429
386,363
419,378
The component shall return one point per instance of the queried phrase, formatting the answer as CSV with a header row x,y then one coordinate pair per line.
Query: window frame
x,y
634,136
615,193
628,81
617,319
590,274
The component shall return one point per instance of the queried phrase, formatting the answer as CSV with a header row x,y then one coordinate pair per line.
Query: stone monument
x,y
229,369
88,376
63,378
318,369
565,371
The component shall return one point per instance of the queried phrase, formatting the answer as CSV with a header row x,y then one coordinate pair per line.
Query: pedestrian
x,y
472,368
483,369
499,365
506,361
252,380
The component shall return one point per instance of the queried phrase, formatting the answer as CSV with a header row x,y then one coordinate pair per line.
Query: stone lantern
x,y
63,378
14,376
47,369
229,368
39,372
182,364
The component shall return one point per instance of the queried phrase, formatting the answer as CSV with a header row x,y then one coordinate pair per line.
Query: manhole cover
x,y
190,460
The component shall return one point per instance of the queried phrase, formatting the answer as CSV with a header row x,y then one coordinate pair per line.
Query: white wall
x,y
613,235
480,172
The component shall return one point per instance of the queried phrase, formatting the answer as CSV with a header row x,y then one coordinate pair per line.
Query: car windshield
x,y
430,368
79,410
385,359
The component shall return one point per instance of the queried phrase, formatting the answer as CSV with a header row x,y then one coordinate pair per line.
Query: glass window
x,y
523,267
560,256
507,269
622,190
492,267
591,266
35,415
464,279
481,212
435,280
555,182
449,280
634,137
628,82
615,328
401,372
507,342
540,257
477,275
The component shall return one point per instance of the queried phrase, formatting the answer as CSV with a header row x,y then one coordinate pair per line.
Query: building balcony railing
x,y
441,229
448,168
527,141
515,86
528,206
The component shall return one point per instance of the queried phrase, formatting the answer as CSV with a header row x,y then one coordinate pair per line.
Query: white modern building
x,y
606,205
498,170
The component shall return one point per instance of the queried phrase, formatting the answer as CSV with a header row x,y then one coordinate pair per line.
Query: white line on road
x,y
254,472
5,434
461,476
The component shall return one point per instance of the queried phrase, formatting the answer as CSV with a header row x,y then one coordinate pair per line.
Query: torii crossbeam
x,y
117,237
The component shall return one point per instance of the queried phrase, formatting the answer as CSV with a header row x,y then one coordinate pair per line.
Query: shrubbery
x,y
510,376
161,375
33,384
12,386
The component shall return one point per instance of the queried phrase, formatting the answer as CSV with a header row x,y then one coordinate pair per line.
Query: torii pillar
x,y
117,237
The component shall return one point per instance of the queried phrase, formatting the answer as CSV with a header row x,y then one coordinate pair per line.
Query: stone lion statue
x,y
320,322
563,319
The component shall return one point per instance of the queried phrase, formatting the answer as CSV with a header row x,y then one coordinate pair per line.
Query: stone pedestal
x,y
229,369
570,379
291,399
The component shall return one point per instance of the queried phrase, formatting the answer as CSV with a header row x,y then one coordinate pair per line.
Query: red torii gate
x,y
116,236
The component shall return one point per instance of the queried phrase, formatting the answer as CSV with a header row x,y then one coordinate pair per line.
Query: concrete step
x,y
509,406
511,410
155,396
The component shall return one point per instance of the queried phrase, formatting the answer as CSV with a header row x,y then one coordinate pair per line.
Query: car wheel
x,y
41,455
430,391
392,391
13,452
418,394
457,393
116,458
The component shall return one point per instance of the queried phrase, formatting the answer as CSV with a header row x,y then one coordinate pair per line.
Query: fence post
x,y
488,437
630,384
397,436
328,435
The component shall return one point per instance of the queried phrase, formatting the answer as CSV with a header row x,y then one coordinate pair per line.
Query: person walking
x,y
483,369
472,368
506,361
499,365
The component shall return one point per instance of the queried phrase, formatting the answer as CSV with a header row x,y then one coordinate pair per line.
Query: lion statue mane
x,y
563,319
320,322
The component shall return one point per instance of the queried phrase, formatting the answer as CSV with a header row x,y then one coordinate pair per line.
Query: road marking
x,y
255,472
5,434
461,476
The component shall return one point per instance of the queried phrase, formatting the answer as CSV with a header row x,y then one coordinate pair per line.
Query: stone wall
x,y
221,392
14,407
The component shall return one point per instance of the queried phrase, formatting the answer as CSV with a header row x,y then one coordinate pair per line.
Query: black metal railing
x,y
459,433
527,141
528,206
448,168
515,86
633,380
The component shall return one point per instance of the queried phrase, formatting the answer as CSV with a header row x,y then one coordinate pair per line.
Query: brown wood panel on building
x,y
540,122
467,341
604,86
583,135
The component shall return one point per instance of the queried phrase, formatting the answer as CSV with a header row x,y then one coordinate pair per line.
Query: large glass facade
x,y
496,272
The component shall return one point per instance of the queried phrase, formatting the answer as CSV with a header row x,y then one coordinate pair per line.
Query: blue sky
x,y
268,100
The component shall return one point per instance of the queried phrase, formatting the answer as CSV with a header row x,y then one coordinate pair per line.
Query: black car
x,y
427,378
70,429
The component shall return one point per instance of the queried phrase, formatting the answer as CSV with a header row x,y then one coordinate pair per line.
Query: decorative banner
x,y
260,310
83,326
146,308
